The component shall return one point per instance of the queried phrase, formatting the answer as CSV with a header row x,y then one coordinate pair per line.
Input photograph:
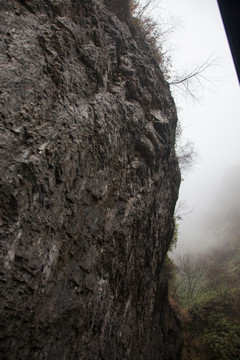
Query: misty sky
x,y
213,123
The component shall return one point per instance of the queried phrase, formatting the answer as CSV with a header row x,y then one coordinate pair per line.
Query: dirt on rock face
x,y
88,185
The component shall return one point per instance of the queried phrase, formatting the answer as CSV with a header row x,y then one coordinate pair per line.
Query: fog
x,y
215,220
212,122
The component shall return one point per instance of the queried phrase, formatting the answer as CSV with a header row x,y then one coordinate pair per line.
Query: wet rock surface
x,y
89,181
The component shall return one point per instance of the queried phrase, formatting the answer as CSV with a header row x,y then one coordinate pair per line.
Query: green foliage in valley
x,y
205,288
207,291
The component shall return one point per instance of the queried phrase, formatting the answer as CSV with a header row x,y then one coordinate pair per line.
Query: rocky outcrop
x,y
89,181
120,8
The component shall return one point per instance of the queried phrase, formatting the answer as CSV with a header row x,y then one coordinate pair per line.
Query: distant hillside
x,y
207,286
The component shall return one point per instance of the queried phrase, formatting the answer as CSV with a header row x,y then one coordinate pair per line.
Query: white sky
x,y
214,123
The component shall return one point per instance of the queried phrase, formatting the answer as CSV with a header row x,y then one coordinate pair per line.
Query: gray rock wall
x,y
88,185
120,7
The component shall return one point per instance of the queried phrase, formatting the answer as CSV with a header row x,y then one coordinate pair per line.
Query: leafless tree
x,y
196,77
186,155
190,271
181,210
157,32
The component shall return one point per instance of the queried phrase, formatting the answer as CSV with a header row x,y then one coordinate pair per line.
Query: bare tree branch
x,y
181,210
185,81
186,155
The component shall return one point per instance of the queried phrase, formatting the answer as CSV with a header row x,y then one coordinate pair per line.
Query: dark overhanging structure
x,y
230,12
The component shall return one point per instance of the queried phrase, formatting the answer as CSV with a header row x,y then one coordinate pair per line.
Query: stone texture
x,y
89,181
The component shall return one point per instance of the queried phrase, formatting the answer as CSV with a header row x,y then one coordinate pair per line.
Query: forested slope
x,y
206,286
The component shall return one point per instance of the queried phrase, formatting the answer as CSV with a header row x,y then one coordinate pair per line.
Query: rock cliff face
x,y
88,185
